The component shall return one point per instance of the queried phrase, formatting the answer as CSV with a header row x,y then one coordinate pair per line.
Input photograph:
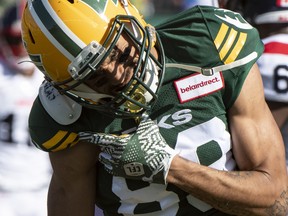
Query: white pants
x,y
28,203
98,211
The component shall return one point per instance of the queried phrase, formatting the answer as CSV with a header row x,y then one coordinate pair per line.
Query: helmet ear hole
x,y
71,1
31,37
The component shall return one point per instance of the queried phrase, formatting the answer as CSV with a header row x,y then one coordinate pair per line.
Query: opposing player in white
x,y
25,171
271,19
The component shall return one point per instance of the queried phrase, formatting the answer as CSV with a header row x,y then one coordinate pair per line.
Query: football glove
x,y
143,155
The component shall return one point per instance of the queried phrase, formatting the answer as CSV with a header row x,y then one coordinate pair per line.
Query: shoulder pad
x,y
233,37
61,108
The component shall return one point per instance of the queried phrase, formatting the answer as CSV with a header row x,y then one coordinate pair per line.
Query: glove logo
x,y
134,169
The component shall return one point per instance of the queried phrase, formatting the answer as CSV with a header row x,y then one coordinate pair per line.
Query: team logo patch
x,y
198,85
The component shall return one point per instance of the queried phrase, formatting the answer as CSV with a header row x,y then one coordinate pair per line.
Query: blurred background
x,y
153,10
274,29
4,4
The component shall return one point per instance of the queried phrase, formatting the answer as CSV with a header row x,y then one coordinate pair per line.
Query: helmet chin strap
x,y
151,79
141,94
86,92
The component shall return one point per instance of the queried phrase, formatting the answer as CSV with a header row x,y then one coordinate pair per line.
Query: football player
x,y
152,121
271,19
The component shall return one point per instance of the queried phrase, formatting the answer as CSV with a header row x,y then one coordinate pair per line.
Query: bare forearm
x,y
237,193
72,189
57,202
72,201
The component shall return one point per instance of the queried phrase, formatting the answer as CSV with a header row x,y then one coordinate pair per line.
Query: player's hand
x,y
144,155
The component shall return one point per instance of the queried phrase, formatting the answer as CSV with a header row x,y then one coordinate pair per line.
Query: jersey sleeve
x,y
208,37
236,41
46,134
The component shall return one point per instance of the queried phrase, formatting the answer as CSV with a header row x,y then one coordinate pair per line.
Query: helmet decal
x,y
99,6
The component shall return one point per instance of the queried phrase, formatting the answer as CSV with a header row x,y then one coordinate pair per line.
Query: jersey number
x,y
6,125
281,79
7,130
218,141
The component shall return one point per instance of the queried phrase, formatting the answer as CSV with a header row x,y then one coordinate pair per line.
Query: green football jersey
x,y
191,111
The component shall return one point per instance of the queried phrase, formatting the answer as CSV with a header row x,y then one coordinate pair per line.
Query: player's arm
x,y
279,111
72,189
260,187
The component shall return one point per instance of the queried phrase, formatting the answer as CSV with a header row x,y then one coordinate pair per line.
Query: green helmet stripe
x,y
55,30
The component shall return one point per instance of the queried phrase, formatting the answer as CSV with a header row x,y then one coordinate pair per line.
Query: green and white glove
x,y
144,155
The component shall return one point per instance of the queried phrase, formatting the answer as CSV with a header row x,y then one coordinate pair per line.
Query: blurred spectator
x,y
4,4
234,5
25,171
270,17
